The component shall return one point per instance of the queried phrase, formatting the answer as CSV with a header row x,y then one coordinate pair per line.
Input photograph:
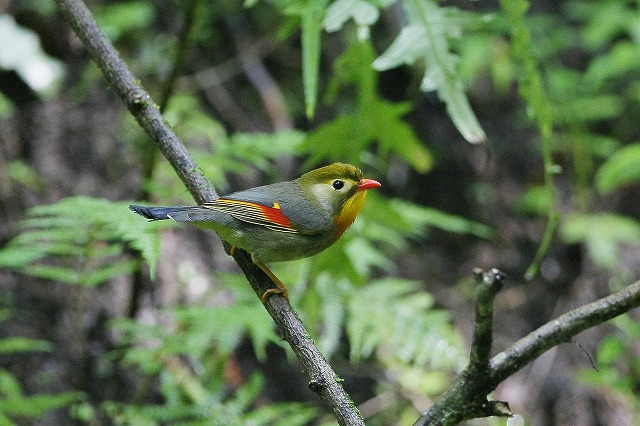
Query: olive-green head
x,y
340,189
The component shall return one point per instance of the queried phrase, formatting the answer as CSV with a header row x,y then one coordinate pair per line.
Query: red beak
x,y
367,184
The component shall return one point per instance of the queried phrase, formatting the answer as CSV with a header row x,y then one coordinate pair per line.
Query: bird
x,y
281,221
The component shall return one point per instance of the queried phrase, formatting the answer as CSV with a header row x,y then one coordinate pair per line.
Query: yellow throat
x,y
349,211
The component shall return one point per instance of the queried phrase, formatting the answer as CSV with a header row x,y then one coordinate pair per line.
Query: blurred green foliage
x,y
14,404
617,368
79,241
585,116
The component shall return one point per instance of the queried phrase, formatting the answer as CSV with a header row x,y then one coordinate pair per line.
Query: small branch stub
x,y
316,385
488,285
467,397
490,281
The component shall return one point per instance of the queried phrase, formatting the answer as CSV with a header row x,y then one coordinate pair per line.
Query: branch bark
x,y
467,397
322,379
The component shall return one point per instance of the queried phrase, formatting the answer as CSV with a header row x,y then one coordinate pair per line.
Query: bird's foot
x,y
280,289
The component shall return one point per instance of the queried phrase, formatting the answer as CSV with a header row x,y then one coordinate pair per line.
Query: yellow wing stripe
x,y
254,213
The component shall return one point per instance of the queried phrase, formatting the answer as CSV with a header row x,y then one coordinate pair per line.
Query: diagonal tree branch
x,y
322,379
467,397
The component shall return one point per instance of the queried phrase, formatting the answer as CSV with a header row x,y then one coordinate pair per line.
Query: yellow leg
x,y
282,289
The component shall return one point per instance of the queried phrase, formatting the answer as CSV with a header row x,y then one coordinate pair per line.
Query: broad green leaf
x,y
610,350
36,406
311,15
83,411
23,344
17,256
9,385
108,272
424,216
536,200
426,37
260,149
340,11
55,273
121,18
601,233
622,168
580,227
592,108
602,145
24,174
623,59
603,21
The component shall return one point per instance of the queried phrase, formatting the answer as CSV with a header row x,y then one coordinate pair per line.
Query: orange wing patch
x,y
274,214
254,213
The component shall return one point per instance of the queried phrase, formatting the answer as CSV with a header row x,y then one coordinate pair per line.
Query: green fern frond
x,y
14,403
80,240
402,320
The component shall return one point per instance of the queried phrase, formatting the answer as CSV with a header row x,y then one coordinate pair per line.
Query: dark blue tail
x,y
180,213
152,213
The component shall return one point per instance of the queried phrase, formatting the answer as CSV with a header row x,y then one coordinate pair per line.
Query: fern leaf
x,y
56,238
426,37
402,320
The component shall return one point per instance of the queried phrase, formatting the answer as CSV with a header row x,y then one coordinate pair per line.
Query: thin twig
x,y
137,100
258,74
149,149
149,155
323,379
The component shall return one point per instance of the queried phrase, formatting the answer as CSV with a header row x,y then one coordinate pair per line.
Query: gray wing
x,y
307,217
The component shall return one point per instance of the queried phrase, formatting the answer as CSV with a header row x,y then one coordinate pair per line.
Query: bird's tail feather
x,y
177,213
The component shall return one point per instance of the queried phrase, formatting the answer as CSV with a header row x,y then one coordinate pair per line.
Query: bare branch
x,y
322,379
467,397
563,329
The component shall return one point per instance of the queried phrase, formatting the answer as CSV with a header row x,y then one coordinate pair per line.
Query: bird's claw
x,y
280,289
273,291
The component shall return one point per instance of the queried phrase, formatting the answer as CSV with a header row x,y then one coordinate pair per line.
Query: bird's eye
x,y
337,184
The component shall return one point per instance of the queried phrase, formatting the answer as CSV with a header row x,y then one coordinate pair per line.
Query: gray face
x,y
331,195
